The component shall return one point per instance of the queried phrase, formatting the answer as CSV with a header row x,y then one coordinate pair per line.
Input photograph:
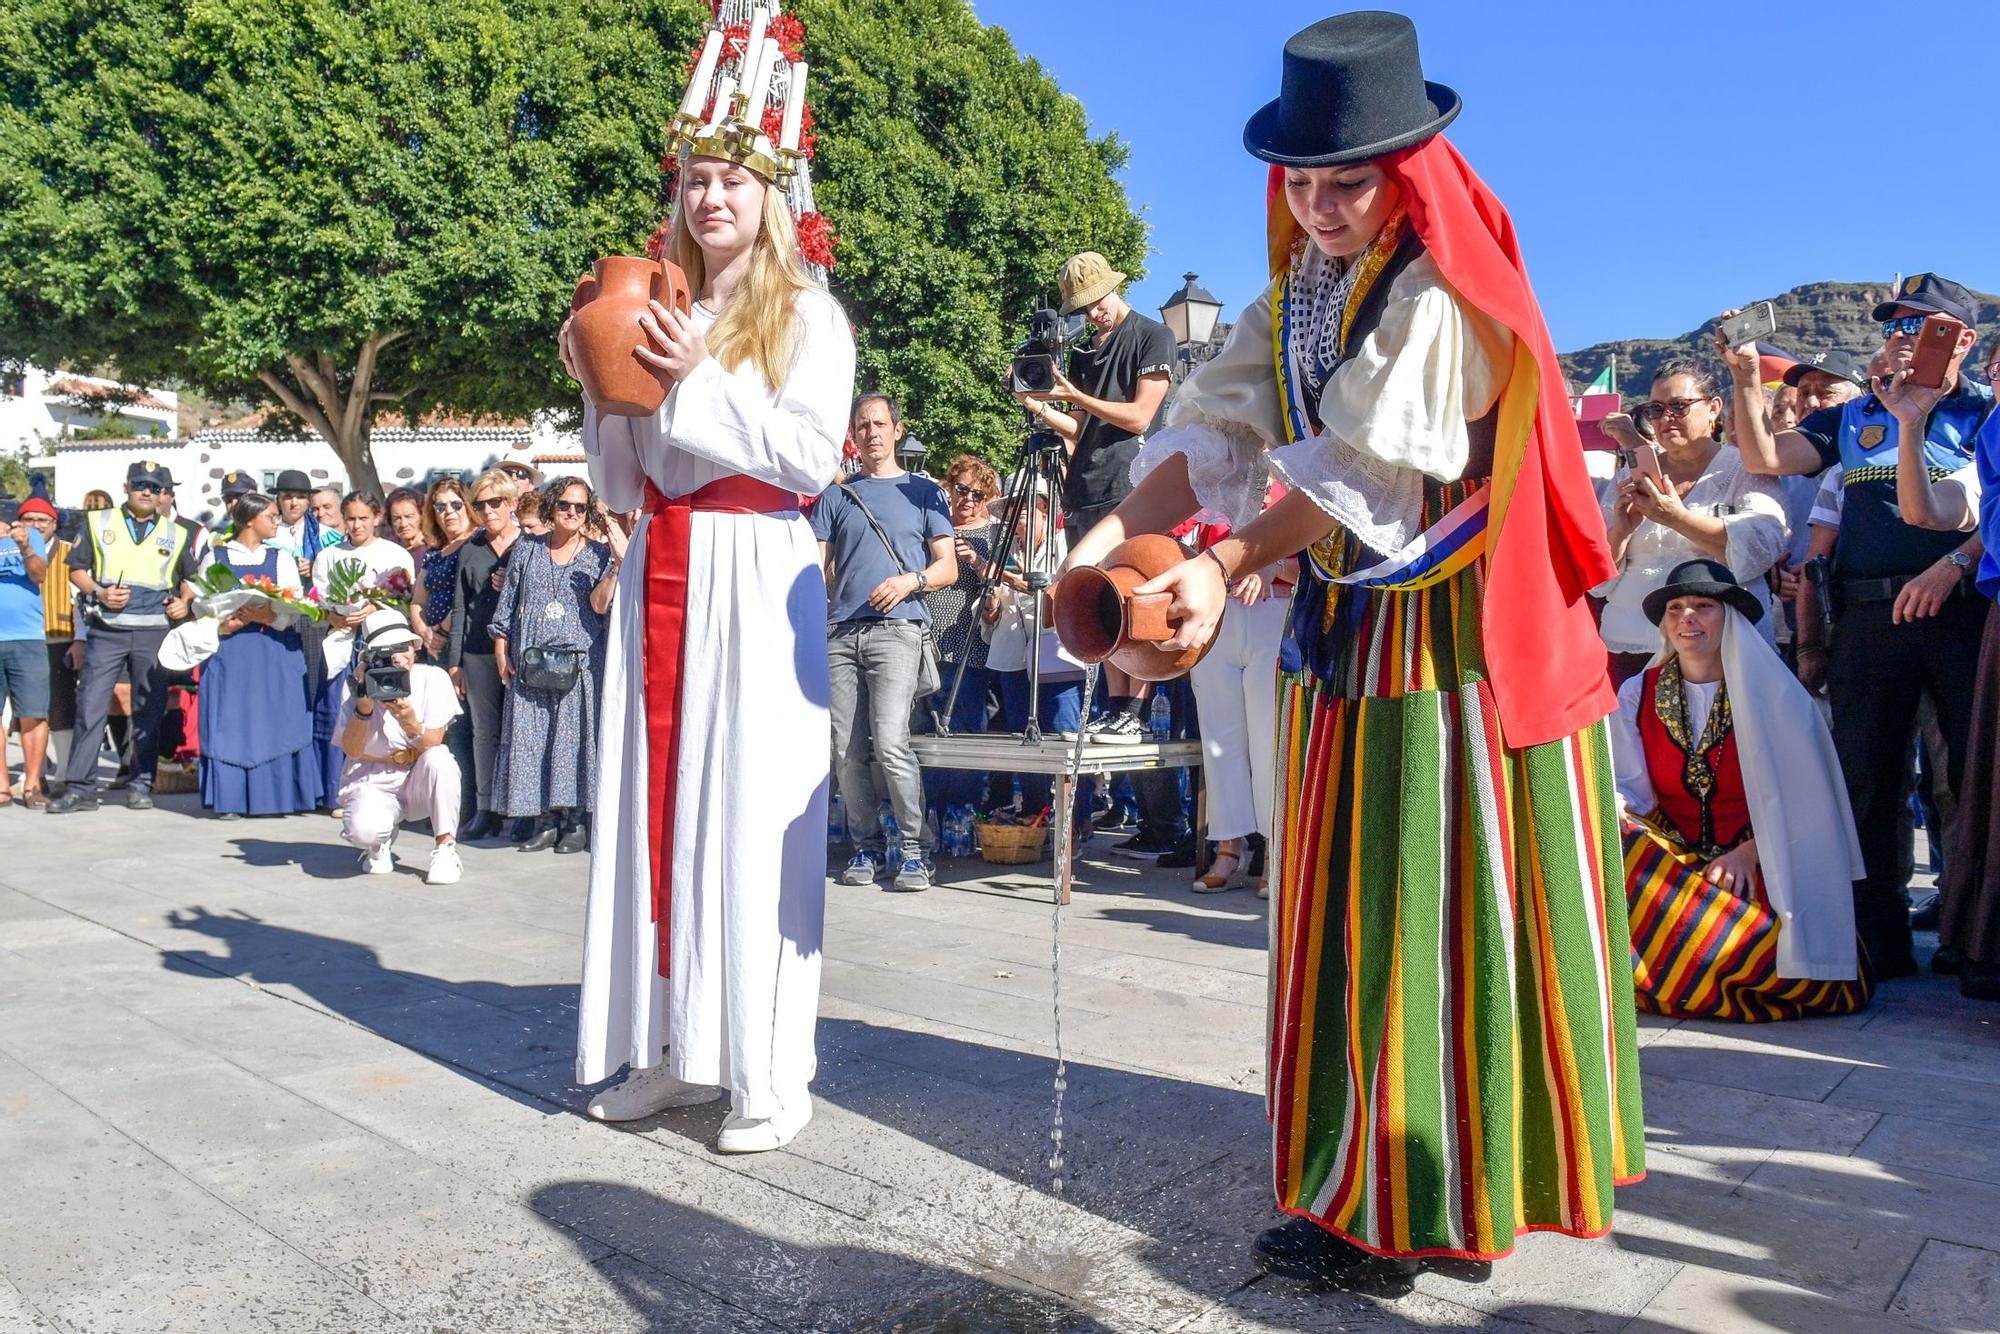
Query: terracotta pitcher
x,y
604,332
1098,617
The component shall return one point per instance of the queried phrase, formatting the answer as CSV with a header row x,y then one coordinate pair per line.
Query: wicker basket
x,y
172,776
1010,844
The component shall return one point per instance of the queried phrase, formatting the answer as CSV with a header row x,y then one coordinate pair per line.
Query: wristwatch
x,y
923,581
1962,560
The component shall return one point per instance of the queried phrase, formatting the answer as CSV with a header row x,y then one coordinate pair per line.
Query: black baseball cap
x,y
236,484
1843,365
291,479
1932,295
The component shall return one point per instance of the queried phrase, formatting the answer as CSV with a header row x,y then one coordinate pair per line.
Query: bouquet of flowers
x,y
352,588
223,592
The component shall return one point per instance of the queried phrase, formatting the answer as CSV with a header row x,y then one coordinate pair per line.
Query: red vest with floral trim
x,y
1728,805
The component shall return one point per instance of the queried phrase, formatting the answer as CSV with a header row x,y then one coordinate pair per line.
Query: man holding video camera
x,y
1115,391
392,725
1907,621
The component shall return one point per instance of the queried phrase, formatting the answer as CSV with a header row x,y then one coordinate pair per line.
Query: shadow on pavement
x,y
752,1278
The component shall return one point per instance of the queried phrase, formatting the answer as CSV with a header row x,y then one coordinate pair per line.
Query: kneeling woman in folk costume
x,y
1740,851
1452,1058
701,958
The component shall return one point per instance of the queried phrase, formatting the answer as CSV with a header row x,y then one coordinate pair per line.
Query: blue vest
x,y
1875,543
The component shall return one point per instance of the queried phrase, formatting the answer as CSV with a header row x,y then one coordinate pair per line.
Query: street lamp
x,y
910,454
1190,314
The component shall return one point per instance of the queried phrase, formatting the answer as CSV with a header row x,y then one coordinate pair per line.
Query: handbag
x,y
551,669
930,677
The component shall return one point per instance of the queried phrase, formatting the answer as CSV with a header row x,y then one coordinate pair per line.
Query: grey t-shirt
x,y
911,510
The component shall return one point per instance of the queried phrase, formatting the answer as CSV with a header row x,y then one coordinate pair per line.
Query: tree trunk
x,y
339,406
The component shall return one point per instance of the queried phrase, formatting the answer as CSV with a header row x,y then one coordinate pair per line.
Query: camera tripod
x,y
1038,468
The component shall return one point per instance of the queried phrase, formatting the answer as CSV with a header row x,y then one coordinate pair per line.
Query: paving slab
x,y
1952,1287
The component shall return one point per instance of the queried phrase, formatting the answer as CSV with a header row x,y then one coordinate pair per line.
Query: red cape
x,y
1546,542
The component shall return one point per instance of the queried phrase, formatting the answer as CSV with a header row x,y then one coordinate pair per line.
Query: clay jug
x,y
1099,618
604,332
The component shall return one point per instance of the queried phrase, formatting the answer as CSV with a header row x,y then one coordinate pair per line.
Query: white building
x,y
403,457
38,408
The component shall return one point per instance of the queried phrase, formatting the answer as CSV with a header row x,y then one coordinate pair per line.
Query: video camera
x,y
1050,336
379,677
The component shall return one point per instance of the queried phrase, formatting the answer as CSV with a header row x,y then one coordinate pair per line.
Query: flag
x,y
1602,384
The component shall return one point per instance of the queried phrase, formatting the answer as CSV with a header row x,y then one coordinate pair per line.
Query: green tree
x,y
334,205
960,177
338,205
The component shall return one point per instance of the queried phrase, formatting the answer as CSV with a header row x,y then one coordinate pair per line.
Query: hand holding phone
x,y
1646,463
1750,325
1937,343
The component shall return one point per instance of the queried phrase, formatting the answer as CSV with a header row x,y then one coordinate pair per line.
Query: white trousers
x,y
378,797
1236,692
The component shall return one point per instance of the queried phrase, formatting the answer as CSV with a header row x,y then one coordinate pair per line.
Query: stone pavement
x,y
243,1087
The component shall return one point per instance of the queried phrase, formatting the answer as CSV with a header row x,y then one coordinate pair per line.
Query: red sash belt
x,y
667,542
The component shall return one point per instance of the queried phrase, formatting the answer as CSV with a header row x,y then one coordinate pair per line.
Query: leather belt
x,y
1885,590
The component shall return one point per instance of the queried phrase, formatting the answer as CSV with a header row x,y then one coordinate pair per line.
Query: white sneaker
x,y
746,1134
378,860
446,868
644,1092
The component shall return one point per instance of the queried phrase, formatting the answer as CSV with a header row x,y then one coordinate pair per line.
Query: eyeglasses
x,y
1677,408
573,506
964,492
489,502
1902,324
146,488
449,506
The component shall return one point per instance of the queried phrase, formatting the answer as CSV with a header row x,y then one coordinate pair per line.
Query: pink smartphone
x,y
1647,463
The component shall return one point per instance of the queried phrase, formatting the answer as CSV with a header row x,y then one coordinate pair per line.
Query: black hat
x,y
1932,295
236,484
1843,365
1353,89
1702,579
291,479
149,471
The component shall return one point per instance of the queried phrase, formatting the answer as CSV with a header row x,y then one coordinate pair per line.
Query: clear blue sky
x,y
1758,146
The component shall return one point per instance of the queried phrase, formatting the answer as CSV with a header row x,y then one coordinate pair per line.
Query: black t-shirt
x,y
1100,469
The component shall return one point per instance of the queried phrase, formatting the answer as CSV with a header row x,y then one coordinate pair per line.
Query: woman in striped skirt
x,y
1740,852
1452,1058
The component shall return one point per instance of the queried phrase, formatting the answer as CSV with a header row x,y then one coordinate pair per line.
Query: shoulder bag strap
x,y
876,524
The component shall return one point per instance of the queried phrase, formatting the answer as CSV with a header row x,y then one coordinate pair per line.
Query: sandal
x,y
35,799
1218,880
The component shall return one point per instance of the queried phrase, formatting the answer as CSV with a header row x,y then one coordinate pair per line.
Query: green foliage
x,y
959,177
196,191
193,189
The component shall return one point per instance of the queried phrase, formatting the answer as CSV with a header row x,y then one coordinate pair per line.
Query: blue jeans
x,y
872,669
955,787
1061,711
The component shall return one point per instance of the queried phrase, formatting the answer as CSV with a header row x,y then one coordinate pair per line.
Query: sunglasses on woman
x,y
964,492
1910,325
448,506
489,502
1677,408
573,506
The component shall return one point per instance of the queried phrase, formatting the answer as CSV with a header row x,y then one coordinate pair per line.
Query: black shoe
x,y
1464,1271
521,831
1303,1250
1948,962
139,799
575,836
544,836
76,799
1254,868
1893,966
1179,857
1924,912
484,824
1143,845
1119,729
1979,982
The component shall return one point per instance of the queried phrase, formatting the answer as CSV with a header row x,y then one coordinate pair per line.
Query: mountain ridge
x,y
1811,317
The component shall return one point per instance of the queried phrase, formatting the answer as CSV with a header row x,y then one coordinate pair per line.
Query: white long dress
x,y
738,1004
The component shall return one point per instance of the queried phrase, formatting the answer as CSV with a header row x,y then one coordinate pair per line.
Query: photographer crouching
x,y
392,725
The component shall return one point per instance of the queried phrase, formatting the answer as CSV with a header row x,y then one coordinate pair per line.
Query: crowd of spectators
x,y
1826,519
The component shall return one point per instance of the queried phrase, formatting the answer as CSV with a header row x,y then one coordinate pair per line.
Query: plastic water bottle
x,y
1162,717
892,837
958,831
836,820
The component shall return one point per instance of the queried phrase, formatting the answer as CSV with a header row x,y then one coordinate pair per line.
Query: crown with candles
x,y
731,124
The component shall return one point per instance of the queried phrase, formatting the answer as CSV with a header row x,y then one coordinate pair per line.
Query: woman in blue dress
x,y
257,752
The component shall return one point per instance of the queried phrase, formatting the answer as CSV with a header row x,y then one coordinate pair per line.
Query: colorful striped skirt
x,y
1452,1059
1701,952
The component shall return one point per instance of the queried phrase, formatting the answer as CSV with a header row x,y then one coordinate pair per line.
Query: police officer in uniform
x,y
1908,621
131,567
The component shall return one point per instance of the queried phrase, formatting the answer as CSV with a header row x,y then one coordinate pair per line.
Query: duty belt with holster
x,y
1853,592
